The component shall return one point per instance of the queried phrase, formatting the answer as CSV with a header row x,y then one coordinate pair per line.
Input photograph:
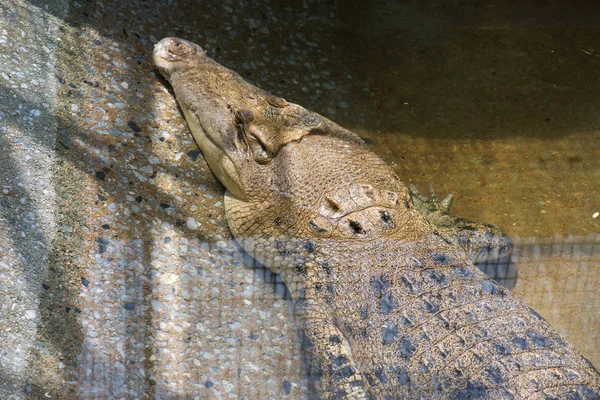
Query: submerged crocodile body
x,y
387,298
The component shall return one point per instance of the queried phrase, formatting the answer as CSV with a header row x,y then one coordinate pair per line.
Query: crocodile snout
x,y
172,52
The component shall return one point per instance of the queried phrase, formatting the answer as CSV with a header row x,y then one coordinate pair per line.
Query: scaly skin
x,y
387,299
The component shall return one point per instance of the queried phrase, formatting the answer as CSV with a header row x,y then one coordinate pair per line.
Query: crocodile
x,y
386,296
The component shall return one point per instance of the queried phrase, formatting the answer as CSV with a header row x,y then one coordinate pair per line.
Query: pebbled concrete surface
x,y
118,276
28,201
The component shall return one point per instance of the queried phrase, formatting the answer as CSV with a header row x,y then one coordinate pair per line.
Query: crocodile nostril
x,y
385,216
356,227
177,50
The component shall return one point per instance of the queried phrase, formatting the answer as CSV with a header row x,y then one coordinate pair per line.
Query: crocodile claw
x,y
432,204
432,195
446,203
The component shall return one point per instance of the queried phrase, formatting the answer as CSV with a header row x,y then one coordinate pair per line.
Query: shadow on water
x,y
483,71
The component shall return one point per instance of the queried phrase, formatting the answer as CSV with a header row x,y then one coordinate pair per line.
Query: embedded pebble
x,y
191,223
169,278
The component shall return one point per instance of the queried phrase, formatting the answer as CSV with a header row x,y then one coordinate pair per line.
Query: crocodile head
x,y
287,170
239,127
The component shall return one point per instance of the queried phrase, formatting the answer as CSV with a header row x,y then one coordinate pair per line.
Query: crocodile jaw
x,y
239,127
209,116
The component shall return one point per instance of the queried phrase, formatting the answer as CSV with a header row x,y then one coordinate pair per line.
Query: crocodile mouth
x,y
239,127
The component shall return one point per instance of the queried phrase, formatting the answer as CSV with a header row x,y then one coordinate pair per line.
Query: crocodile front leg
x,y
332,368
482,242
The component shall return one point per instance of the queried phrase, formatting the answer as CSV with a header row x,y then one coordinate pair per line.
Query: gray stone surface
x,y
118,276
28,127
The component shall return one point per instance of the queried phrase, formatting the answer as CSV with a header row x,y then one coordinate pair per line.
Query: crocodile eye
x,y
243,116
178,50
259,152
275,101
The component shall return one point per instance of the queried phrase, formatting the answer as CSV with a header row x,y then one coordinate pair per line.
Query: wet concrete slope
x,y
28,194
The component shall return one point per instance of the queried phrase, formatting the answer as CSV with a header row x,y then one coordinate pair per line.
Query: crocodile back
x,y
423,322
